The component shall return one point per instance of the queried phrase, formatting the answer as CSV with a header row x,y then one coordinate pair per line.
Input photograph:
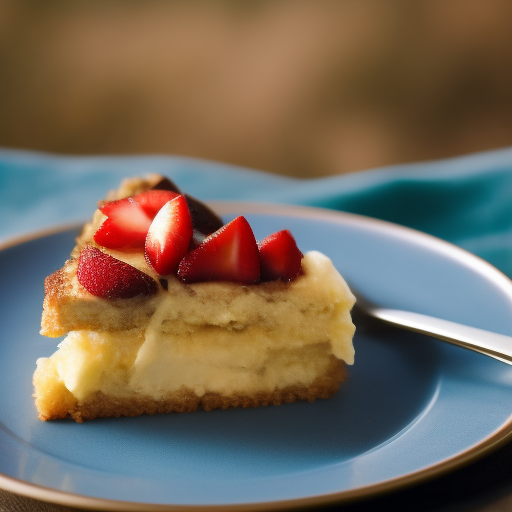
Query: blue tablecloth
x,y
467,201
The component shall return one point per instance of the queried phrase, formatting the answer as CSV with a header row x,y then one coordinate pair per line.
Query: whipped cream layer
x,y
220,337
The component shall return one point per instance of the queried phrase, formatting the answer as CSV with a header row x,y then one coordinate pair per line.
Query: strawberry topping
x,y
169,236
125,227
109,278
152,200
229,254
204,220
128,219
180,236
280,258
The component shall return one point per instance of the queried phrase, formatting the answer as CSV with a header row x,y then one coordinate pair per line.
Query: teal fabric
x,y
466,200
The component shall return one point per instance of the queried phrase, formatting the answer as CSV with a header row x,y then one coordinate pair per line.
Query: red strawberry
x,y
204,220
128,219
109,278
280,258
125,227
169,236
229,254
152,200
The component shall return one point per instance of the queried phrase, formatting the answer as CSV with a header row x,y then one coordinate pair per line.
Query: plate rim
x,y
488,444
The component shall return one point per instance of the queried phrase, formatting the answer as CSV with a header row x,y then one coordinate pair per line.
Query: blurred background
x,y
299,88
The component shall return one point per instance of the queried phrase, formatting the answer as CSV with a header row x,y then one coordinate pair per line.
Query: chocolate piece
x,y
166,184
204,219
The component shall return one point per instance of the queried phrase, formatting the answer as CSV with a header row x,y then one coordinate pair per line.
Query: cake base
x,y
55,401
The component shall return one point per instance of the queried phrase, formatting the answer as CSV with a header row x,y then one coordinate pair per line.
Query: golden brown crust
x,y
63,404
68,309
52,397
55,294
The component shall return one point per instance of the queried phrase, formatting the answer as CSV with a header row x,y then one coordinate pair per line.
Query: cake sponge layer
x,y
209,345
315,305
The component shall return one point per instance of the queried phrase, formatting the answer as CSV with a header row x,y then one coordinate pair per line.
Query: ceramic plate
x,y
412,407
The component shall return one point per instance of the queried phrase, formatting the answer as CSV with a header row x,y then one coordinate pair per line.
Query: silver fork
x,y
485,342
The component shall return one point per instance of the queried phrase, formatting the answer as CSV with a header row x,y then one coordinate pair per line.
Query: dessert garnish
x,y
280,258
109,278
162,224
169,236
229,254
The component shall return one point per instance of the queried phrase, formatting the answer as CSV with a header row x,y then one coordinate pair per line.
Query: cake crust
x,y
68,307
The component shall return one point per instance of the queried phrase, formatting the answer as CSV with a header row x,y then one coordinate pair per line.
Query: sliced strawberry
x,y
125,227
152,200
229,254
128,219
108,278
204,219
169,236
280,258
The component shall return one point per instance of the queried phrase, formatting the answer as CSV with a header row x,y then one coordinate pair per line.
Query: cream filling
x,y
220,337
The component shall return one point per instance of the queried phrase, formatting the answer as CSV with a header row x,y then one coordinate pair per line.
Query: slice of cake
x,y
166,309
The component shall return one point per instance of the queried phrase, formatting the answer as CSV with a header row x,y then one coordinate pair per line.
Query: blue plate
x,y
411,408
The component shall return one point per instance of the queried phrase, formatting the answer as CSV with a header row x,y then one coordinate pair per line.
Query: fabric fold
x,y
465,200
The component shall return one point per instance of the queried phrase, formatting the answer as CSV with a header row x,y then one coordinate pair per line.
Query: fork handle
x,y
489,343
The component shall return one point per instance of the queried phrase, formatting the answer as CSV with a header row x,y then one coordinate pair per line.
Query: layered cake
x,y
167,309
